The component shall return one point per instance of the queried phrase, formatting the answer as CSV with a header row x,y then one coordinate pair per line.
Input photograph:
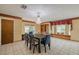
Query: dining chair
x,y
35,44
46,41
26,38
30,33
30,39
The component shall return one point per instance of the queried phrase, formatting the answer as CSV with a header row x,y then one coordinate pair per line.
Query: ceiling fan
x,y
23,6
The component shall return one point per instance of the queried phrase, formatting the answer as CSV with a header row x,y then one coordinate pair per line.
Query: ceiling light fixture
x,y
38,18
23,6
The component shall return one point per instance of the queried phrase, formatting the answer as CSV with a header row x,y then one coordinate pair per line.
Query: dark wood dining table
x,y
39,38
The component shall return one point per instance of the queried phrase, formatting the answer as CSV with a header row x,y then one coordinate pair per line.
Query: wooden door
x,y
6,31
42,28
47,27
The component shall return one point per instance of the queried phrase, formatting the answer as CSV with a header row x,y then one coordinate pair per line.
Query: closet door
x,y
6,31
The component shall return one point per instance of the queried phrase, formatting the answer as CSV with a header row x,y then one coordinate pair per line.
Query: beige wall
x,y
75,30
53,29
17,30
0,31
38,28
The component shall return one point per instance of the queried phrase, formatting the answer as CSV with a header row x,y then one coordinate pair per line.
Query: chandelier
x,y
38,18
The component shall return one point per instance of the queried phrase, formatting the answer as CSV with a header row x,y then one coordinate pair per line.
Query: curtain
x,y
61,22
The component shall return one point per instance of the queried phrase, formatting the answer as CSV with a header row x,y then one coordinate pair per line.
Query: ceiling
x,y
48,12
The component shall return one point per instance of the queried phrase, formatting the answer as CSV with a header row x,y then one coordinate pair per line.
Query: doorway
x,y
6,31
44,28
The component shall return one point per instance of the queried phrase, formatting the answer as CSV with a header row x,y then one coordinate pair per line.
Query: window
x,y
29,28
60,29
26,29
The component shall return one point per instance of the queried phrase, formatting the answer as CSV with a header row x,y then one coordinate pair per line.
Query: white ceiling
x,y
48,12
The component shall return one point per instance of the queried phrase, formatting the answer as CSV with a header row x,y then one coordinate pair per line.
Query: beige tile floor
x,y
58,47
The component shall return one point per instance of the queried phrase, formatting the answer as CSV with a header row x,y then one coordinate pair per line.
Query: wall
x,y
17,28
38,28
0,31
75,30
53,29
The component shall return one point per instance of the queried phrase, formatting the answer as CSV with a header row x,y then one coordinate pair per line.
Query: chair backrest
x,y
30,35
47,39
25,36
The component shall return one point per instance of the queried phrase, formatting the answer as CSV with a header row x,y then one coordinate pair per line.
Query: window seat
x,y
61,36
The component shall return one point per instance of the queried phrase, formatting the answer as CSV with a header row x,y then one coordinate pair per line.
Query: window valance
x,y
60,22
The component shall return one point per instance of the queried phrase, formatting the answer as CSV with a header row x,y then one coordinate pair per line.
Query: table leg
x,y
39,46
27,43
30,45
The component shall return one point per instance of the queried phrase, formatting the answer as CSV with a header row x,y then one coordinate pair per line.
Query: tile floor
x,y
58,47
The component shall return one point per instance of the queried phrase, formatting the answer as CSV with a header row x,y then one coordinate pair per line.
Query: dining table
x,y
39,38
